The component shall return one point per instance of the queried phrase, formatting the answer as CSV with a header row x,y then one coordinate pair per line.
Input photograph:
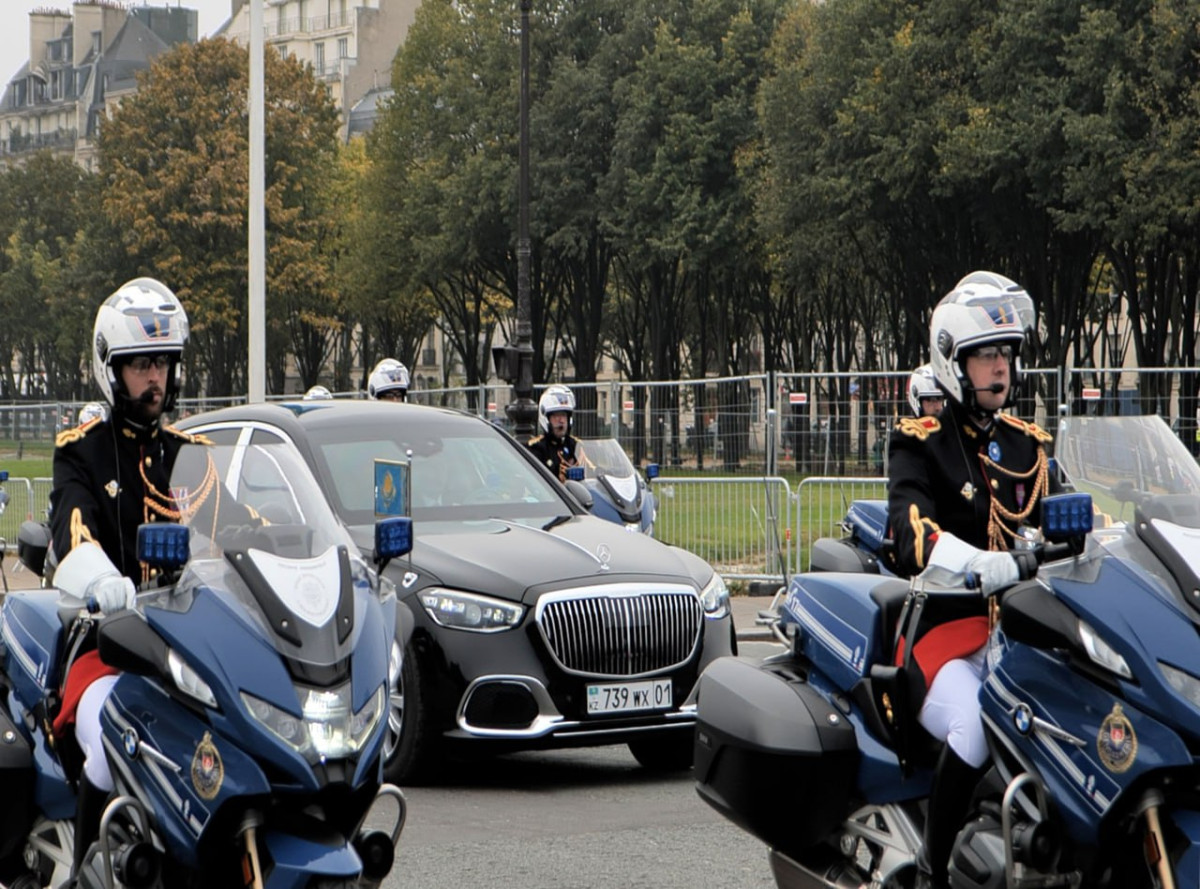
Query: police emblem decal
x,y
1116,742
208,772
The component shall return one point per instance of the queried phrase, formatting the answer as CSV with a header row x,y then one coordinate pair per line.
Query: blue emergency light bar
x,y
163,545
393,537
1066,516
575,474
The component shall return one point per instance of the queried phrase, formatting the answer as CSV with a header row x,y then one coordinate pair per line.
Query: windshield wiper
x,y
555,522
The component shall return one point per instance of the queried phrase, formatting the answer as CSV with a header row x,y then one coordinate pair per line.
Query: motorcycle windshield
x,y
264,539
1122,461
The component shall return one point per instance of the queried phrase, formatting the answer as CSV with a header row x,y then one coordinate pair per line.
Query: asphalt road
x,y
572,819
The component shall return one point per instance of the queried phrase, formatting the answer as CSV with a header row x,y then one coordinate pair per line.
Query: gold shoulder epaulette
x,y
187,436
919,427
534,441
1033,430
69,436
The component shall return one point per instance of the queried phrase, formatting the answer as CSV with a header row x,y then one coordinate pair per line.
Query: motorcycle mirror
x,y
128,643
163,545
575,474
652,471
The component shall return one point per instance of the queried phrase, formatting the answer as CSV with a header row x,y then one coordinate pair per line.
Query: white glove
x,y
87,573
112,593
953,559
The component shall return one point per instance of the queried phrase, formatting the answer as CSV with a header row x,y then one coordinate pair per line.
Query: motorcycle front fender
x,y
297,860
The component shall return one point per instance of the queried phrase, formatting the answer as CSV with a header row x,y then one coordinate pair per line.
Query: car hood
x,y
517,562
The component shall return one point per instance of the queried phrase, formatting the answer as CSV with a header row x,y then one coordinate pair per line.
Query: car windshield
x,y
460,472
1120,460
260,501
605,455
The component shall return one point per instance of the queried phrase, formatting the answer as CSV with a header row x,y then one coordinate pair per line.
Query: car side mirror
x,y
580,492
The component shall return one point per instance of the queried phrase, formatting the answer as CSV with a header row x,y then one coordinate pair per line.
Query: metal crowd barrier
x,y
821,503
740,526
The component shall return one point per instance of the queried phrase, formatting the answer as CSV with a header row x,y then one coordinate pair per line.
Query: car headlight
x,y
188,680
1184,683
715,597
327,729
1102,653
469,611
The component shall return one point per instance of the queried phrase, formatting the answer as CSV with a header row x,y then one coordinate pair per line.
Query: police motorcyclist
x,y
110,476
556,448
960,485
925,396
317,393
389,381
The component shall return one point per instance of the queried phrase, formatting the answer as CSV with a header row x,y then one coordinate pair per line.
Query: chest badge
x,y
994,451
111,488
968,491
1116,742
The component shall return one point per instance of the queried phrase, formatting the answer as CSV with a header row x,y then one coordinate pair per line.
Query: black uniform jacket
x,y
110,477
980,485
557,454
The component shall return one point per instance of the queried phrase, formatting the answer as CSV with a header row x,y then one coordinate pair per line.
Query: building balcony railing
x,y
283,27
21,143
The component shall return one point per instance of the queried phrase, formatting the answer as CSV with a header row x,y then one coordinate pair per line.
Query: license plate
x,y
625,697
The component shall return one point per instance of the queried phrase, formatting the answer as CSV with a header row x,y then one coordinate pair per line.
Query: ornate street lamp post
x,y
514,364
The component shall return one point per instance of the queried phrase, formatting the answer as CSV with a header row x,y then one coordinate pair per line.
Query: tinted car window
x,y
461,476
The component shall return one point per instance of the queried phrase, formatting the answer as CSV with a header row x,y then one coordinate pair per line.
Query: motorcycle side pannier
x,y
16,777
772,755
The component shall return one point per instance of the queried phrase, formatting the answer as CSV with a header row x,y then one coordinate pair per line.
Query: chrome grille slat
x,y
622,634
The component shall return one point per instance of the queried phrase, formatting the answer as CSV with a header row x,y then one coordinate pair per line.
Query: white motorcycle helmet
x,y
143,317
922,385
389,375
984,308
318,393
557,398
93,410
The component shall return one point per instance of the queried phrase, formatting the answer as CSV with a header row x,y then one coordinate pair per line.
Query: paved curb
x,y
745,611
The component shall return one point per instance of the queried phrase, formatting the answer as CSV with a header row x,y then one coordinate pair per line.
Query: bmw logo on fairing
x,y
1023,718
129,740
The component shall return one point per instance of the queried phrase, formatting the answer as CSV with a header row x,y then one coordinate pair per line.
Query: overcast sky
x,y
14,26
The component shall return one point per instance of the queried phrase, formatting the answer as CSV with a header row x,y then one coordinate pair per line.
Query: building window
x,y
96,42
319,58
343,48
283,50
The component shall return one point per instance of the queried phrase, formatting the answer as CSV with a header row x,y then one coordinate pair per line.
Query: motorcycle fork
x,y
1155,845
251,863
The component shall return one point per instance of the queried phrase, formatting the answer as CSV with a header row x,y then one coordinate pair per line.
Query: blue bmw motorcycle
x,y
245,730
1091,701
612,489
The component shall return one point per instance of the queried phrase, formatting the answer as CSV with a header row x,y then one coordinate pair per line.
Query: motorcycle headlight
x,y
1102,653
1184,683
715,597
327,729
188,681
469,611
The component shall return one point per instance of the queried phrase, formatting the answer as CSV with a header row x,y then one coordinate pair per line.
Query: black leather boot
x,y
953,786
89,808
